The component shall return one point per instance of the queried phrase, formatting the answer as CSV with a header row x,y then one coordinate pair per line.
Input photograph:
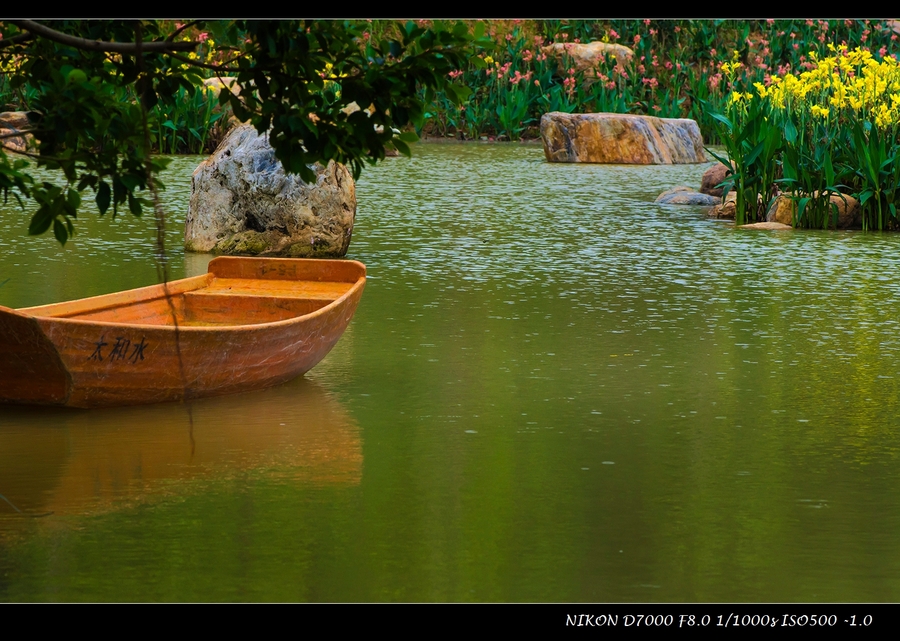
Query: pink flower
x,y
677,29
668,65
657,108
770,21
637,39
203,37
527,55
610,85
647,22
509,37
613,34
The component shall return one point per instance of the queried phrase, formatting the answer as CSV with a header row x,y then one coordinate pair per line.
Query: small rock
x,y
620,138
686,196
728,209
712,177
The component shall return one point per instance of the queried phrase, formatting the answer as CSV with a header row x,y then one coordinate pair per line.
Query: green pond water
x,y
553,390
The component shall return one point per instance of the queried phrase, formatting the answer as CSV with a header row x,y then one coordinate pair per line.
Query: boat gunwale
x,y
354,287
217,328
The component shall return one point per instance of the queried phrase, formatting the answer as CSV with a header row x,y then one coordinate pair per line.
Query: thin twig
x,y
175,33
16,132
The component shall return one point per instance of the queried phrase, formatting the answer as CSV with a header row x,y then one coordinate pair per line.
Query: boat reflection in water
x,y
56,461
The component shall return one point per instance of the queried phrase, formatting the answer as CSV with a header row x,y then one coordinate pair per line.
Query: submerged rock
x,y
620,138
242,202
686,196
765,226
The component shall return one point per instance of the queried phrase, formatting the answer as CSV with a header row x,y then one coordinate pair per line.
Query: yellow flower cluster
x,y
730,68
848,83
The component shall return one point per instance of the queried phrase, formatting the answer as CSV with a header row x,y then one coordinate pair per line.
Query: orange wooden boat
x,y
248,323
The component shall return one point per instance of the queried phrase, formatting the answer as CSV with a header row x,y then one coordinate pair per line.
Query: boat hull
x,y
84,360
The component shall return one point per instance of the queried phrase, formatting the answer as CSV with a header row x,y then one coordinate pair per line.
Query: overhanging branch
x,y
43,31
22,37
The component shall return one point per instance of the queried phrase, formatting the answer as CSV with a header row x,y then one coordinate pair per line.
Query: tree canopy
x,y
88,87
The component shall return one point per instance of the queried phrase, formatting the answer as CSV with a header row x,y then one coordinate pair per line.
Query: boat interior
x,y
221,297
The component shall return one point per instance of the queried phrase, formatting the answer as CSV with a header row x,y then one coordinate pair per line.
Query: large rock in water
x,y
242,202
621,138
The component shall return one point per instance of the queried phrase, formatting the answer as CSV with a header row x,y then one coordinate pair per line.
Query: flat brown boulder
x,y
586,56
784,207
621,139
765,226
243,203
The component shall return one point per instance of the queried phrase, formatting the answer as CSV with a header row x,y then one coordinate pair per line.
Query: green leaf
x,y
59,230
408,136
73,198
134,205
102,198
402,147
723,120
40,221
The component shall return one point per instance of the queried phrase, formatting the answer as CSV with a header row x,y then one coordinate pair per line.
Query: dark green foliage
x,y
100,115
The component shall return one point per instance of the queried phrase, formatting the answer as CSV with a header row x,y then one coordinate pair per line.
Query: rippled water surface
x,y
553,390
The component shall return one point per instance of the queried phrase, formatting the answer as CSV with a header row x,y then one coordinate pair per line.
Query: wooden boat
x,y
248,323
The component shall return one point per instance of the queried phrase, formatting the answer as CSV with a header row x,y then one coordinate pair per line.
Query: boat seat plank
x,y
310,290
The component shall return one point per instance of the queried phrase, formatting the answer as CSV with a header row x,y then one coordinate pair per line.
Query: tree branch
x,y
15,133
98,45
22,37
